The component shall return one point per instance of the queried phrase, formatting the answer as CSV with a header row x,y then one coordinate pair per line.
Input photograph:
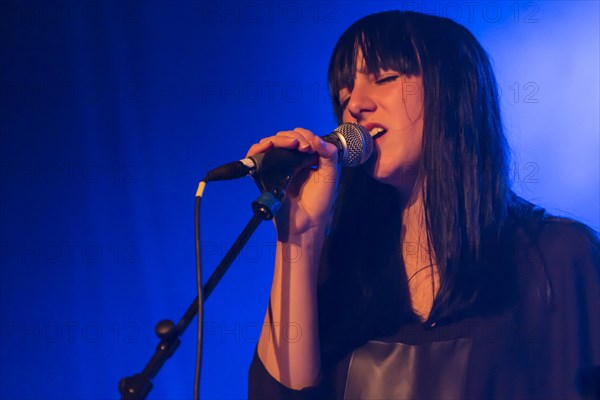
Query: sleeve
x,y
261,385
571,321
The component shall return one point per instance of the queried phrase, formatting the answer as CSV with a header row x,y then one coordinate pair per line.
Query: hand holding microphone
x,y
310,162
352,141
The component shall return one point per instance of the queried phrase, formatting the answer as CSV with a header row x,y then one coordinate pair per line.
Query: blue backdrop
x,y
112,111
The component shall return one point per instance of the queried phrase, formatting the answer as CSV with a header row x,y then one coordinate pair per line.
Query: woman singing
x,y
421,274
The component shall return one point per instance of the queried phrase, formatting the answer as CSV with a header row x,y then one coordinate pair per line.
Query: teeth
x,y
376,131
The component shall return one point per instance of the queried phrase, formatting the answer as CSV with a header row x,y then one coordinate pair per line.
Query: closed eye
x,y
386,79
380,81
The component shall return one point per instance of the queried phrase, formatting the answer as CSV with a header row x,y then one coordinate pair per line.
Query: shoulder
x,y
555,238
570,252
556,257
562,240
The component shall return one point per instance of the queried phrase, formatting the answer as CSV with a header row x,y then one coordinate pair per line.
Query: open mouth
x,y
377,132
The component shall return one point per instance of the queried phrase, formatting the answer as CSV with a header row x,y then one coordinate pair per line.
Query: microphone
x,y
353,141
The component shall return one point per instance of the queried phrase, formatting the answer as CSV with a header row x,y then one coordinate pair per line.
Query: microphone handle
x,y
291,162
277,166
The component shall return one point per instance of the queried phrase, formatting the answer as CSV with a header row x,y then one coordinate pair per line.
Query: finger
x,y
265,144
307,137
262,146
324,149
303,142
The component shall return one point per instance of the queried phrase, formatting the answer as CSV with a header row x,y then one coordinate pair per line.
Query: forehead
x,y
369,53
359,62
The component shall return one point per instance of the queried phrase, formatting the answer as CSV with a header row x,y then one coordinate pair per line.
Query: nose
x,y
361,103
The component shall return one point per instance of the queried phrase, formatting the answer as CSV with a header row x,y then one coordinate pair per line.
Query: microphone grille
x,y
358,143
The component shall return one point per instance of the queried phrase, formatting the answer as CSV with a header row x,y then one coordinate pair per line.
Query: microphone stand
x,y
138,386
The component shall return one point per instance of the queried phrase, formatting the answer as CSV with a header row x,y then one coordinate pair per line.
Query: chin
x,y
397,175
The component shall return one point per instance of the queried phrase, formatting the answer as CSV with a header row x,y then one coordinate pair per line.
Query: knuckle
x,y
316,141
303,132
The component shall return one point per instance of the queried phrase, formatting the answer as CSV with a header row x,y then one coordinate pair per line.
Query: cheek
x,y
346,117
412,98
406,148
414,111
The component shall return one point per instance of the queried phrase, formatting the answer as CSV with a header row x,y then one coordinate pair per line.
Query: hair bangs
x,y
384,40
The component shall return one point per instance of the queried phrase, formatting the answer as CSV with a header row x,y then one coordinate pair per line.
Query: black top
x,y
545,345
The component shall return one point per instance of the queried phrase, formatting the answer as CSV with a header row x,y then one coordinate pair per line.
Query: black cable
x,y
137,387
200,298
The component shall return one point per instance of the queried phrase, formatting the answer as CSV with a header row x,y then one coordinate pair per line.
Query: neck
x,y
419,258
415,246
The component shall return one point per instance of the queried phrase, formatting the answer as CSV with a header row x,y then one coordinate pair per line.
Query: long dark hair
x,y
464,164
